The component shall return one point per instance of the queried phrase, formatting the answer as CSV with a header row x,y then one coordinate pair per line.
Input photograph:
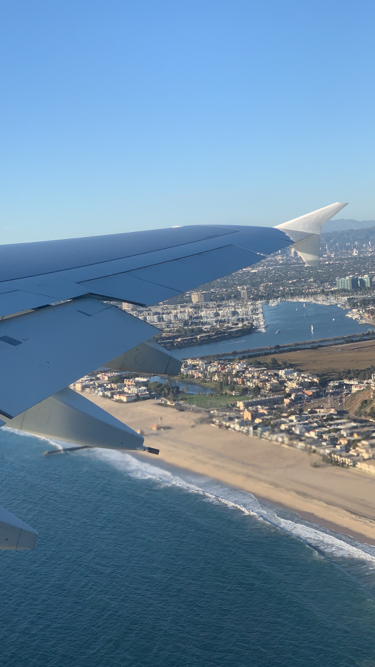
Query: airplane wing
x,y
56,324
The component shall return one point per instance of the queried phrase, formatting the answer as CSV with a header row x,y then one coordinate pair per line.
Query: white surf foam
x,y
55,443
323,541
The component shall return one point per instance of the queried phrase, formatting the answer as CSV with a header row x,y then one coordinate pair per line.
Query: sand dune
x,y
338,498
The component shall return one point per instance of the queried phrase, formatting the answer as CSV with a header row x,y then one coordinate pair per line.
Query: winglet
x,y
305,231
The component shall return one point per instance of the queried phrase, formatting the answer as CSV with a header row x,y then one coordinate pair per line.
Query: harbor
x,y
288,323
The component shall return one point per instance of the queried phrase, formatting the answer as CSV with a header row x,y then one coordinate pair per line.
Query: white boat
x,y
312,328
278,331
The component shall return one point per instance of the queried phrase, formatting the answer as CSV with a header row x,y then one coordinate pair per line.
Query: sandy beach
x,y
341,499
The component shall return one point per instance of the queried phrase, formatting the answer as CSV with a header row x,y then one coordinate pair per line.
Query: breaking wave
x,y
322,540
55,443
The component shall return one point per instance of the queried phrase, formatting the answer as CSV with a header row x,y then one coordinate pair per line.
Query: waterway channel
x,y
287,322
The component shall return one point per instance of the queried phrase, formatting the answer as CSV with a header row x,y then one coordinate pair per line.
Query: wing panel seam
x,y
116,259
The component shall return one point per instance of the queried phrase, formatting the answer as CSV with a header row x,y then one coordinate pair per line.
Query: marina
x,y
287,322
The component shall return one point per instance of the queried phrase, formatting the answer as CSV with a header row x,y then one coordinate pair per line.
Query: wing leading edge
x,y
55,326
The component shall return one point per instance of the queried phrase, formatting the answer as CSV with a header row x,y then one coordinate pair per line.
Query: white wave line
x,y
245,502
55,443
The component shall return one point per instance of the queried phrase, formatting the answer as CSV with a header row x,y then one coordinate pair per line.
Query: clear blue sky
x,y
119,115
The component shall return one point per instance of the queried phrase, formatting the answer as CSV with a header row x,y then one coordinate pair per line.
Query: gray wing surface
x,y
70,331
56,325
132,267
52,347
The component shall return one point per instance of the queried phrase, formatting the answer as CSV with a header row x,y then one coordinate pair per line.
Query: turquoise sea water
x,y
293,320
142,565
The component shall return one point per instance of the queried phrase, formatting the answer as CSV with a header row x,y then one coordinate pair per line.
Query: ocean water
x,y
293,320
142,565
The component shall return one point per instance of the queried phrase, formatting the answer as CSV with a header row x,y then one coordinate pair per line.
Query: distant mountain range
x,y
344,225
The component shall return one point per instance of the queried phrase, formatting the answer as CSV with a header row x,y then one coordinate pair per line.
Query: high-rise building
x,y
353,282
200,297
341,283
243,293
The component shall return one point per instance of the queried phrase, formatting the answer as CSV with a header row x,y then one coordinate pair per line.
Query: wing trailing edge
x,y
148,357
52,347
69,417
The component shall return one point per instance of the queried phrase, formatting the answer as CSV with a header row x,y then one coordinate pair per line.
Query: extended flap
x,y
44,351
147,357
70,417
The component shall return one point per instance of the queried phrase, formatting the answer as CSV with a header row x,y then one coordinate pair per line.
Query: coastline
x,y
335,498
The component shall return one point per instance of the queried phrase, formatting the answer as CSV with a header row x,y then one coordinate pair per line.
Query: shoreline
x,y
313,519
310,517
332,497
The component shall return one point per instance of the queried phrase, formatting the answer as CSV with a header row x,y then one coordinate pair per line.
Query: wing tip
x,y
305,231
311,223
